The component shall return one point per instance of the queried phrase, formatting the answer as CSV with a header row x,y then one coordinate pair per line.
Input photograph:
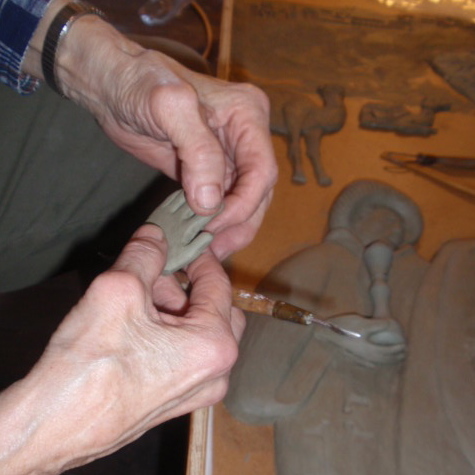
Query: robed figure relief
x,y
397,400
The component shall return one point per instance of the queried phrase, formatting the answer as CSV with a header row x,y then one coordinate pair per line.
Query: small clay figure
x,y
295,115
400,119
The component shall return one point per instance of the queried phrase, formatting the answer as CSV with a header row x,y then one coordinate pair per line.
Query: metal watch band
x,y
57,30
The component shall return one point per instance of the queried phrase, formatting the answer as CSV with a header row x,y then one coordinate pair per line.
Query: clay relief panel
x,y
396,400
407,68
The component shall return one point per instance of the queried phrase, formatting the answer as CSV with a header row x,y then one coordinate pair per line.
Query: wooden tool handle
x,y
244,299
260,304
252,302
450,162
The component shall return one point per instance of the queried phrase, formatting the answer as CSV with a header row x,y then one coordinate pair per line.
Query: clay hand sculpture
x,y
382,339
183,230
381,343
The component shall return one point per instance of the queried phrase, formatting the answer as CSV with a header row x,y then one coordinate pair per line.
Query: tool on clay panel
x,y
262,305
187,240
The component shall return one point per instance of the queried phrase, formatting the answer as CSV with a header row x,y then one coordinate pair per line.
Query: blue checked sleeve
x,y
18,21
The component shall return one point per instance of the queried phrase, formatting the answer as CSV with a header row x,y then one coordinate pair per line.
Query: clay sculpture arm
x,y
271,348
265,360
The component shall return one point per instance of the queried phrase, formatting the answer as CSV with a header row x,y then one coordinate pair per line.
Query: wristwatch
x,y
56,32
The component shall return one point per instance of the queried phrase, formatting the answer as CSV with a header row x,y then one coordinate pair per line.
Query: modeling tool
x,y
429,160
457,176
262,305
187,240
257,303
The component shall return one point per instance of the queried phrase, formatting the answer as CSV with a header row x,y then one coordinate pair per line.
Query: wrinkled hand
x,y
210,134
160,365
134,352
381,343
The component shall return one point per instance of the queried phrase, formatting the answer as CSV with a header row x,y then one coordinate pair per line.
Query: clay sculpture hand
x,y
381,343
183,230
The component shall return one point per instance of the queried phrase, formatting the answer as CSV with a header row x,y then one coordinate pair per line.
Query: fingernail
x,y
208,196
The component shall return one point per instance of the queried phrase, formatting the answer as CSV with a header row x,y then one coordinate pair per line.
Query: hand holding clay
x,y
211,135
381,343
134,352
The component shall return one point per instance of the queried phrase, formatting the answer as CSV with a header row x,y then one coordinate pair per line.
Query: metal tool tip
x,y
336,329
345,332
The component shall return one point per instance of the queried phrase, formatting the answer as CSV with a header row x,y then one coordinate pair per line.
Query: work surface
x,y
298,215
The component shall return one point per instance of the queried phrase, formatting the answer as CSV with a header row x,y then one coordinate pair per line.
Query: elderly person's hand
x,y
211,135
133,353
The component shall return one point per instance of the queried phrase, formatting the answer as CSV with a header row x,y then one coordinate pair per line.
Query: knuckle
x,y
116,283
219,353
268,174
263,99
256,96
145,248
225,353
176,93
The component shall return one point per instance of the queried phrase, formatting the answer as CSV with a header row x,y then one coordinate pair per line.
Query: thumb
x,y
203,168
145,255
202,158
201,155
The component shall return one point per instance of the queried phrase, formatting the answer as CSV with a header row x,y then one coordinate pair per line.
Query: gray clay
x,y
334,400
437,408
400,119
183,230
458,69
296,115
341,405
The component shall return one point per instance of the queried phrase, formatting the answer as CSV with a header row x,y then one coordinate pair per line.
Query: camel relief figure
x,y
296,114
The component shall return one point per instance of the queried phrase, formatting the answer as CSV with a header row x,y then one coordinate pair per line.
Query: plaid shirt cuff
x,y
18,22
